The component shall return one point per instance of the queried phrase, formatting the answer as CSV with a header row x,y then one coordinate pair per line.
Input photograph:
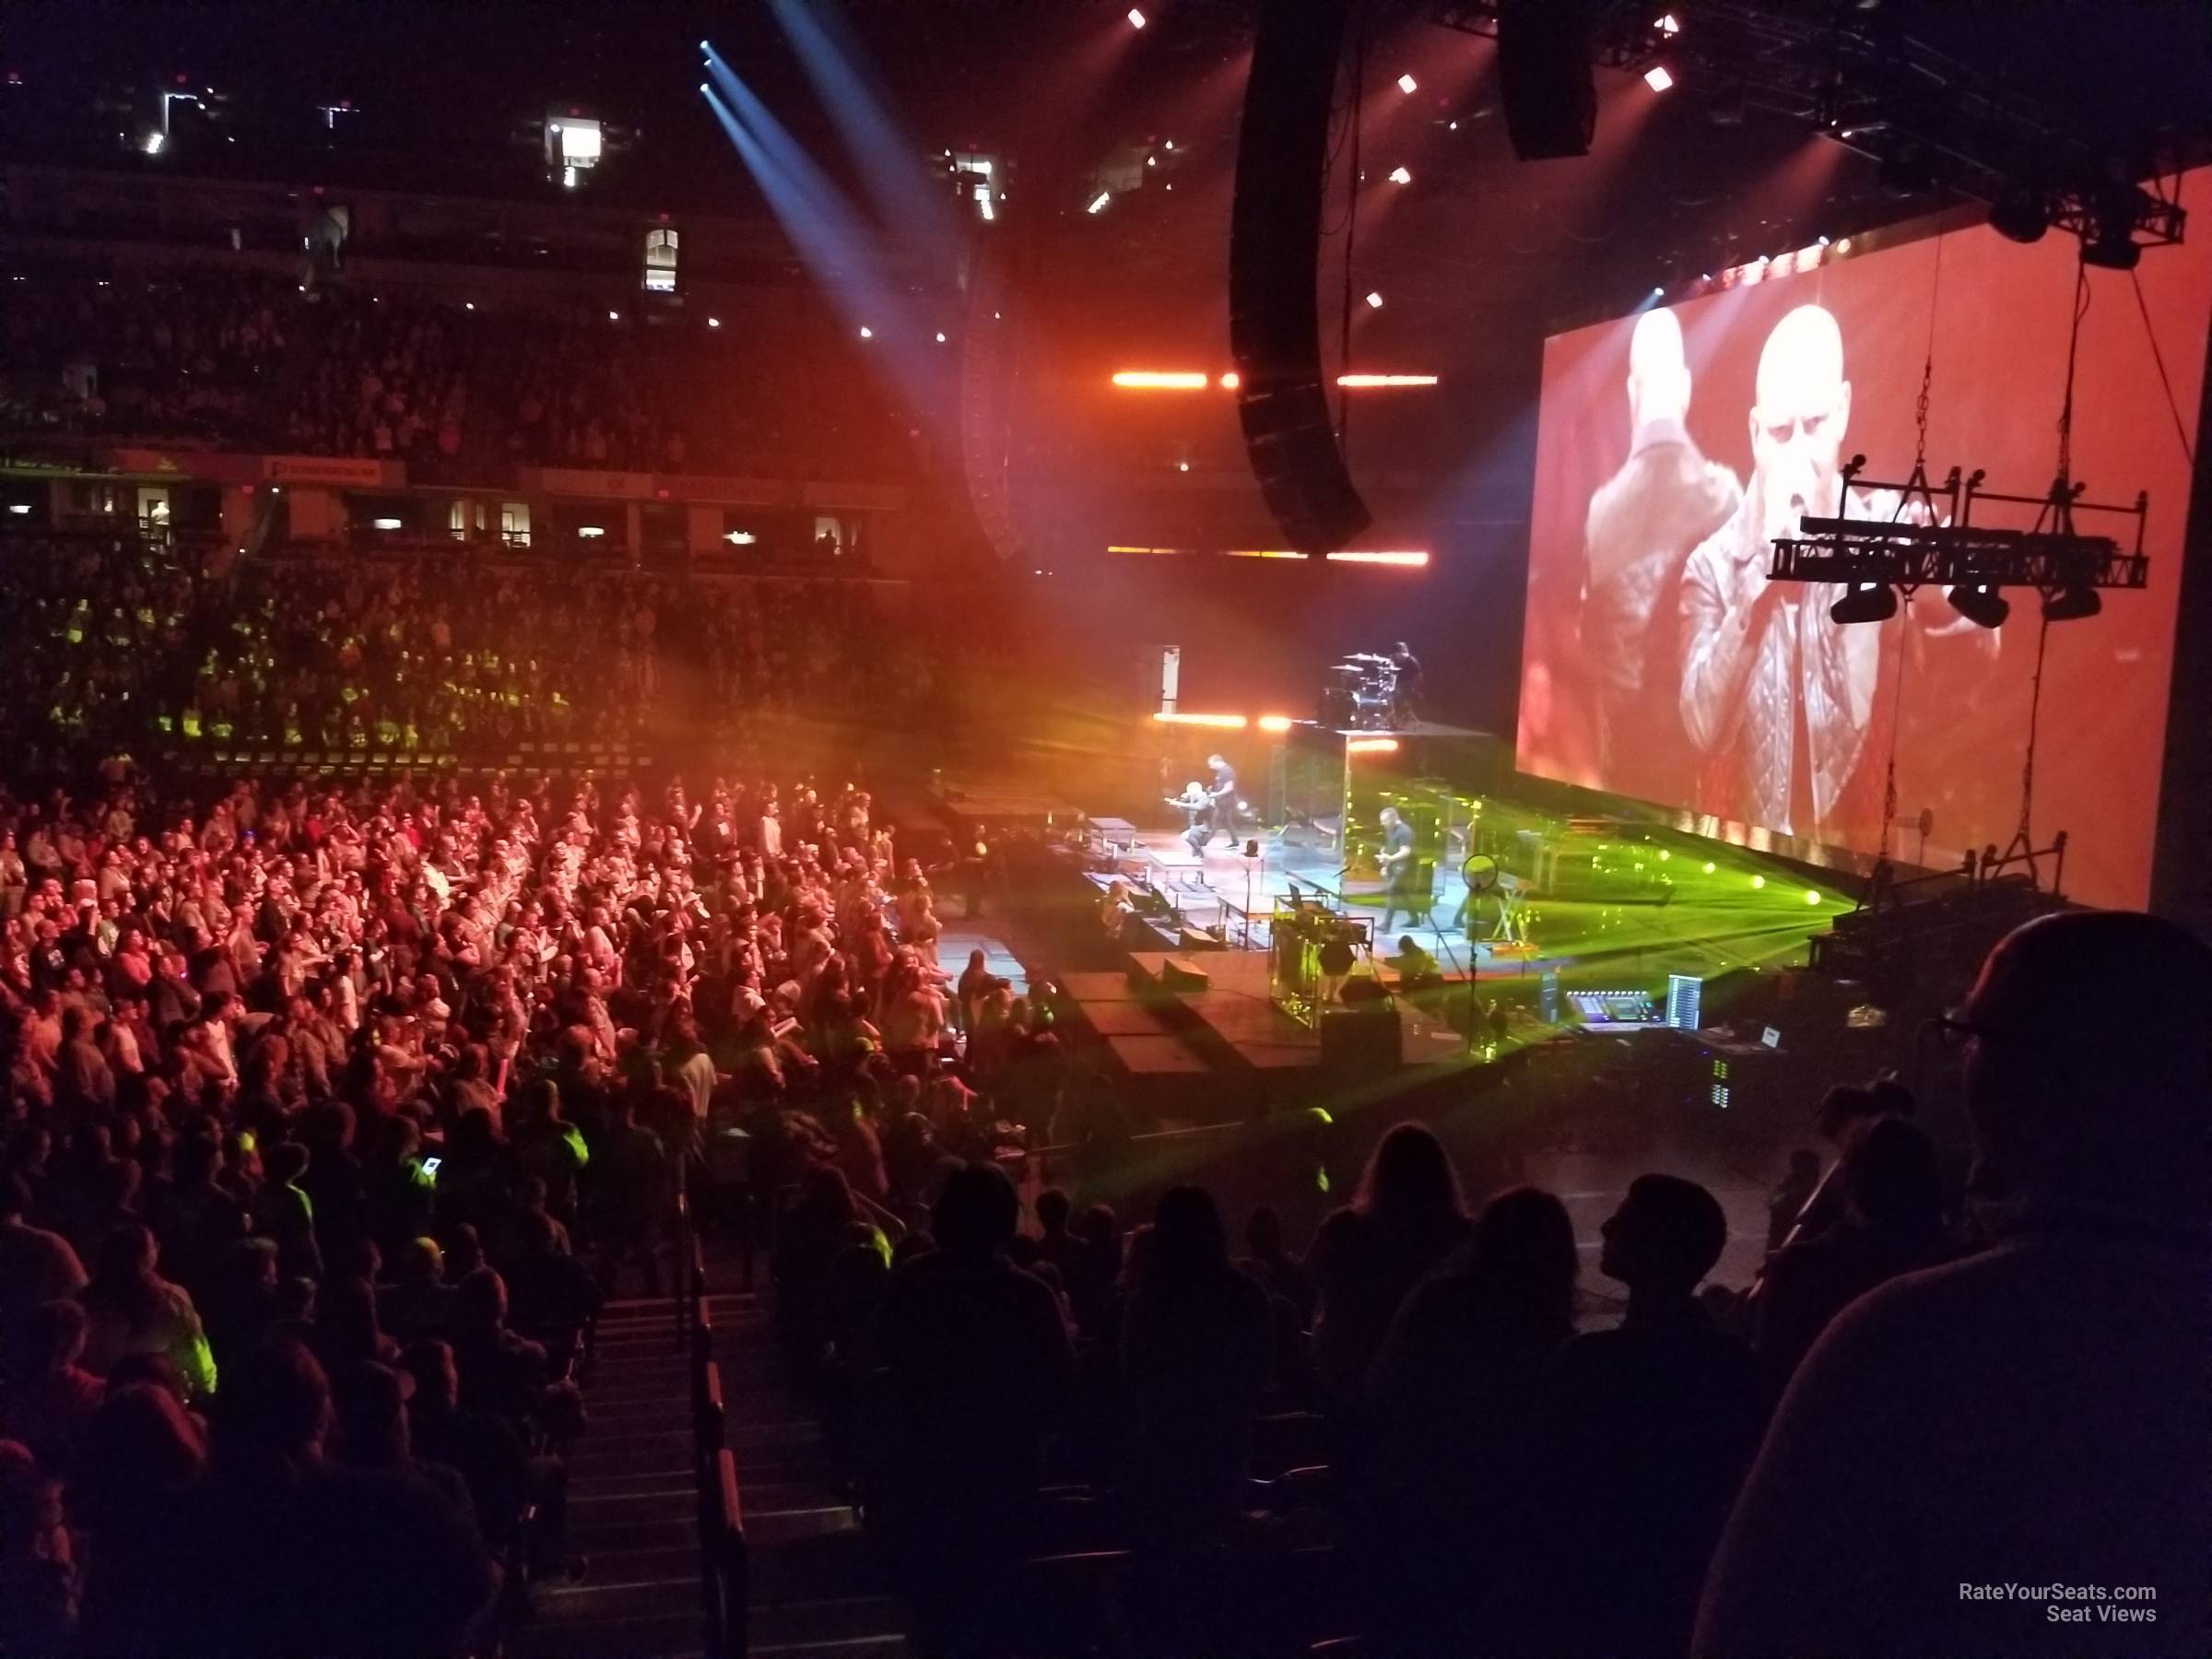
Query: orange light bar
x,y
1370,746
1191,380
1167,550
1361,556
1232,722
1263,553
1276,723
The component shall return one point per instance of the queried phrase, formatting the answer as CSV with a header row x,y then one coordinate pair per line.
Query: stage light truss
x,y
1856,76
1932,541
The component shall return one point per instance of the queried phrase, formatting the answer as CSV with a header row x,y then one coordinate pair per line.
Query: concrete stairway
x,y
633,1499
813,1592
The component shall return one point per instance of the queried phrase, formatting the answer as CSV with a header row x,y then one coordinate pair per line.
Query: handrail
x,y
730,1564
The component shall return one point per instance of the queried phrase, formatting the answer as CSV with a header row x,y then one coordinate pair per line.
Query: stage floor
x,y
1724,908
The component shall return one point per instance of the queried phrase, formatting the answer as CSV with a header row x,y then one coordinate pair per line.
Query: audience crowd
x,y
454,387
124,641
2005,1391
332,1115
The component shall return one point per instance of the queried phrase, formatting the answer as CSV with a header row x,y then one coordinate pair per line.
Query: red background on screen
x,y
2000,317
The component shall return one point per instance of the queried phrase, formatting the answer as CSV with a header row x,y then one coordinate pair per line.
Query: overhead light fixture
x,y
2114,248
1370,746
153,144
591,531
1413,557
1375,300
385,524
1358,381
739,538
1401,175
866,333
1263,553
1657,78
2020,215
1227,723
1981,605
1407,84
1669,24
1183,466
1874,602
1137,18
1231,381
1276,723
614,316
713,322
940,336
1154,379
1097,203
2059,605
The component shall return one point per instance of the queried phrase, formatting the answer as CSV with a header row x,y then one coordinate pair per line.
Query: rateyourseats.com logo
x,y
2075,1604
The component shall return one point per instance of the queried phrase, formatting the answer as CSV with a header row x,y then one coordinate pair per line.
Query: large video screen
x,y
1673,445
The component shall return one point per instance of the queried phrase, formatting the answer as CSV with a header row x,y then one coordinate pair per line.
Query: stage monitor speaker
x,y
1274,247
1544,77
1179,973
1360,1041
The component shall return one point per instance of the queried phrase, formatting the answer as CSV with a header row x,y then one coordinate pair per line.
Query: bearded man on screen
x,y
1777,697
1642,523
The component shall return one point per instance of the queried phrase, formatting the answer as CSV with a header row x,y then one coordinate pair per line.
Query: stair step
x,y
617,1599
662,1530
670,1634
842,1619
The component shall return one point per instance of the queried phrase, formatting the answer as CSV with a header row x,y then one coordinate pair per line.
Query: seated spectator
x,y
553,1296
2035,1413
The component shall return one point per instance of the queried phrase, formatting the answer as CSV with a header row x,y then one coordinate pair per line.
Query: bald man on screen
x,y
1641,524
1776,694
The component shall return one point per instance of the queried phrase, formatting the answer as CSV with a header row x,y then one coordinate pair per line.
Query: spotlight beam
x,y
837,245
833,61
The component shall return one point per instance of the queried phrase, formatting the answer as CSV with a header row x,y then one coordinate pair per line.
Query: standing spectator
x,y
1406,1218
133,1310
978,1367
1639,1439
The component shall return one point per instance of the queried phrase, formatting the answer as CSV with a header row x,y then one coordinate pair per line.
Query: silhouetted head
x,y
1053,1208
1523,1262
1409,1179
2088,1074
1896,1181
977,1212
274,1402
1188,1241
1665,1236
1264,1233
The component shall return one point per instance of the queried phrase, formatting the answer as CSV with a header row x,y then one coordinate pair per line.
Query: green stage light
x,y
1759,881
1812,896
1710,867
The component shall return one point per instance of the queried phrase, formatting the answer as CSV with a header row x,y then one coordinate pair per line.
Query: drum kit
x,y
1361,694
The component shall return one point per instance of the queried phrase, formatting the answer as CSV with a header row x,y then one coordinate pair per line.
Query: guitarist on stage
x,y
1398,866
